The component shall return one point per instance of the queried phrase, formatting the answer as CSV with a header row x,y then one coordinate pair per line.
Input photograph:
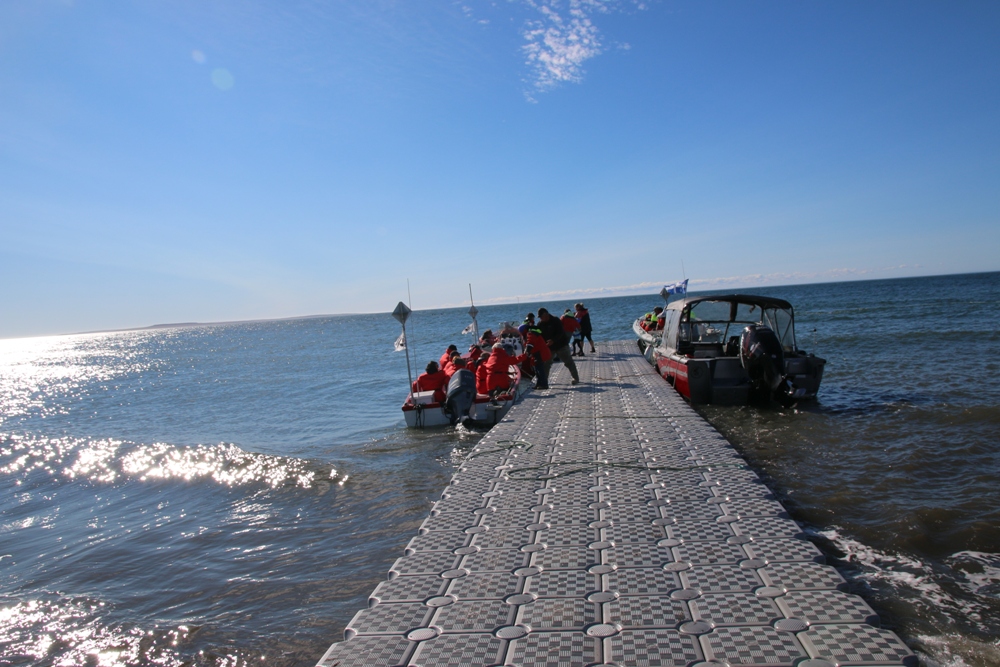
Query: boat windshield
x,y
717,321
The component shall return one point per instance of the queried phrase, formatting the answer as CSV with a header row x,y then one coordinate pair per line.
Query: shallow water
x,y
221,494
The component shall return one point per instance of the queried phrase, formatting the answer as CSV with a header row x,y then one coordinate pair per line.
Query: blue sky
x,y
181,160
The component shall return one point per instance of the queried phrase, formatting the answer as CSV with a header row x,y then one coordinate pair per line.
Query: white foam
x,y
985,581
925,586
950,650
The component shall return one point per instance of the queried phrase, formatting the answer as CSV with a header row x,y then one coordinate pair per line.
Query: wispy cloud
x,y
702,284
793,277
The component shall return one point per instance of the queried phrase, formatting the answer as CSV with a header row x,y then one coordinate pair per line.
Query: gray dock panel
x,y
609,524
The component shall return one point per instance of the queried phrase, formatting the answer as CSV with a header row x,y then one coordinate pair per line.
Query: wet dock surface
x,y
609,524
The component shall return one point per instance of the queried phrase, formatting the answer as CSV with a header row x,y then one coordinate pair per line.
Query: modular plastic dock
x,y
609,524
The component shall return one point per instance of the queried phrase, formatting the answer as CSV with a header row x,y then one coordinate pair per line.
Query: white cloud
x,y
559,42
560,36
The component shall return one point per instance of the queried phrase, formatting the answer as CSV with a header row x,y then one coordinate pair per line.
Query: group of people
x,y
541,339
653,321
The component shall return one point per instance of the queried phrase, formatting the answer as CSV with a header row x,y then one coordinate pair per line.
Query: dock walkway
x,y
609,524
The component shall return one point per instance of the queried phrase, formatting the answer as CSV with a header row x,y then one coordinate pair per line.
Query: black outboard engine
x,y
461,394
763,359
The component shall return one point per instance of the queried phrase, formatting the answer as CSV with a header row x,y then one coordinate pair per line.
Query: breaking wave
x,y
956,600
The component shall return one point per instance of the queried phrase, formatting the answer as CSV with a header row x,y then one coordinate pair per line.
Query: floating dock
x,y
609,524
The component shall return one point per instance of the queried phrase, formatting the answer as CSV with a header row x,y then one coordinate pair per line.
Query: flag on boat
x,y
469,329
400,343
677,288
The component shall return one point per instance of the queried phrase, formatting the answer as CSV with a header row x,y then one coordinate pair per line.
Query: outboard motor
x,y
763,359
461,394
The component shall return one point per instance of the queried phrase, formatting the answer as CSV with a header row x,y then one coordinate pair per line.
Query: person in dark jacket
x,y
557,340
583,315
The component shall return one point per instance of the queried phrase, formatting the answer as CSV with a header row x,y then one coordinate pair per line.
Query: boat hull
x,y
646,338
724,381
433,415
483,414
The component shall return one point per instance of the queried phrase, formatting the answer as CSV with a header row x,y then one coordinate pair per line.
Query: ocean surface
x,y
231,494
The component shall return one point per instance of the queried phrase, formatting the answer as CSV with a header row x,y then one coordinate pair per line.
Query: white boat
x,y
421,411
462,404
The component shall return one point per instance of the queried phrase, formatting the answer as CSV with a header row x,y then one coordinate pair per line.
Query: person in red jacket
x,y
572,328
456,363
539,350
482,374
498,369
446,357
434,380
569,322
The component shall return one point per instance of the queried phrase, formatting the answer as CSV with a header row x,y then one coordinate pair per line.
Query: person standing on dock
x,y
540,352
572,328
583,315
557,340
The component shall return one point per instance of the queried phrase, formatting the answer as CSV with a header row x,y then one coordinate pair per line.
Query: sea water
x,y
230,494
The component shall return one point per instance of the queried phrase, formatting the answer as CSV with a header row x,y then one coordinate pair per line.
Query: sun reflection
x,y
67,632
226,464
107,461
35,373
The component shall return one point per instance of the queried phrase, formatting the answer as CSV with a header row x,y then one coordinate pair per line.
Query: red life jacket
x,y
482,379
436,382
498,367
450,369
539,345
569,323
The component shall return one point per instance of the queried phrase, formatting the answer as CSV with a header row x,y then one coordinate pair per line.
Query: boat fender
x,y
461,394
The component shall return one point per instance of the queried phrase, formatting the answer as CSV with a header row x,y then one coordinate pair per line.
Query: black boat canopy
x,y
749,299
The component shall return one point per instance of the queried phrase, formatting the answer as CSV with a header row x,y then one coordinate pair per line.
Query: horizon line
x,y
597,292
